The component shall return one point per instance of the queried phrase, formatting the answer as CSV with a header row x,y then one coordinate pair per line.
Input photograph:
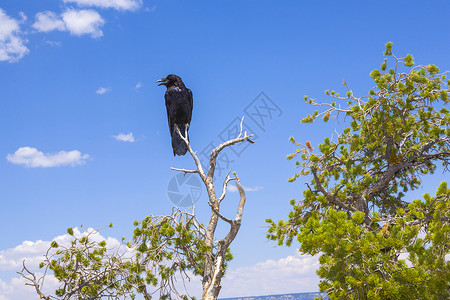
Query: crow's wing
x,y
169,119
191,106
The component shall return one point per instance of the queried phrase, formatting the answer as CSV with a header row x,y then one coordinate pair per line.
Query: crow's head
x,y
171,80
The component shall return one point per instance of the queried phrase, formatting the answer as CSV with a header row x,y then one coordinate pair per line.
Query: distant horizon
x,y
275,295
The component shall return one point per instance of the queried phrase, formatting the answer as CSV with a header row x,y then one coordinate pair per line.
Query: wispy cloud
x,y
77,22
115,4
53,43
102,90
125,137
233,188
151,9
33,158
138,85
12,45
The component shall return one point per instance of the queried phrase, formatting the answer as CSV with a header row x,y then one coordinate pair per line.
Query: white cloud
x,y
116,4
77,22
125,137
102,90
33,254
293,274
12,45
233,188
31,157
138,85
15,288
48,21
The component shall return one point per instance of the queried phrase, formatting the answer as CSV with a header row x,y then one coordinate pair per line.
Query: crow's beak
x,y
162,81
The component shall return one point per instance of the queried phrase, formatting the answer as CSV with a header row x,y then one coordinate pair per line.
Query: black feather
x,y
178,145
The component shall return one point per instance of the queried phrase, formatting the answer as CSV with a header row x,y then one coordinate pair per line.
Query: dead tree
x,y
163,249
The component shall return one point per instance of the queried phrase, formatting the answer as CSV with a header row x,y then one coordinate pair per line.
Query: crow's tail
x,y
178,145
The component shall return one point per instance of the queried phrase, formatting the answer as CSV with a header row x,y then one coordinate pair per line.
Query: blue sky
x,y
77,81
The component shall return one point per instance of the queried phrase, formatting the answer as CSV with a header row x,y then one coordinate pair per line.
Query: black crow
x,y
179,110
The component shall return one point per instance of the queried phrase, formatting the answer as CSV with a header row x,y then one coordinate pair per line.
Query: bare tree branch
x,y
213,264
